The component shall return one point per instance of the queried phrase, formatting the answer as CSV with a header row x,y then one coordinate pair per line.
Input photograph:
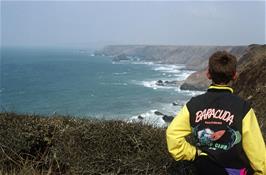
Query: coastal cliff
x,y
251,82
249,56
194,57
196,81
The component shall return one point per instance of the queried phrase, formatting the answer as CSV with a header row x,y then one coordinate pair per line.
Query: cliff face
x,y
196,81
251,83
195,57
199,81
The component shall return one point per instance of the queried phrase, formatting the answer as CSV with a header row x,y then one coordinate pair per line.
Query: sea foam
x,y
149,118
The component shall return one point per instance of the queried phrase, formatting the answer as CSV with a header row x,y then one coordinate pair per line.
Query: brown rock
x,y
251,83
196,81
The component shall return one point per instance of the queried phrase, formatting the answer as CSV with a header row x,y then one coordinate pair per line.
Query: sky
x,y
95,24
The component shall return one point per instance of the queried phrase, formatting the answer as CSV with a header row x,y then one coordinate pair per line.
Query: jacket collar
x,y
218,88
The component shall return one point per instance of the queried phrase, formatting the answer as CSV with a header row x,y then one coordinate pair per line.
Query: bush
x,y
32,144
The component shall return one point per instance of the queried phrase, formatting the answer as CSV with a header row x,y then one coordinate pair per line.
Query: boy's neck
x,y
220,84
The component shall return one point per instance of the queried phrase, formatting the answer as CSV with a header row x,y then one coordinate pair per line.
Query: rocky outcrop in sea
x,y
197,81
166,83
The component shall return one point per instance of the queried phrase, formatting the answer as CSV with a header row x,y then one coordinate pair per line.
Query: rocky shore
x,y
197,81
194,57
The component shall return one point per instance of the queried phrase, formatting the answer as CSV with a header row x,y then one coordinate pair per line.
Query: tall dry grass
x,y
63,145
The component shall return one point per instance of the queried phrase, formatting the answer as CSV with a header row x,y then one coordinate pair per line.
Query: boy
x,y
227,134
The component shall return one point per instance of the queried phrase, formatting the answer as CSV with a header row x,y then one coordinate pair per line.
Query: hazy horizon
x,y
86,24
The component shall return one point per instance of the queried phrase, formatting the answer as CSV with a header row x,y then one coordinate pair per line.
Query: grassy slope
x,y
62,145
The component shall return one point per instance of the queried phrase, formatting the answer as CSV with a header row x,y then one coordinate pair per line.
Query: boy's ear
x,y
208,75
235,76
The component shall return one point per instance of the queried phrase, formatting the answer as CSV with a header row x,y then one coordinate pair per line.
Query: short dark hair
x,y
222,67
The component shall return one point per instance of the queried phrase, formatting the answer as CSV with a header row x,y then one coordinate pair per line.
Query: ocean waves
x,y
93,87
149,118
153,84
170,78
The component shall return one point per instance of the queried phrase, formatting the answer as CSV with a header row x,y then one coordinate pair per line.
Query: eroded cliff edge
x,y
194,57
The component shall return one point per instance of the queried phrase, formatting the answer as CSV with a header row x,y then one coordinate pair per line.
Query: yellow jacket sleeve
x,y
177,145
253,143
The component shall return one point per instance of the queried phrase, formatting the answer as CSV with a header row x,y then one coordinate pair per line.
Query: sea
x,y
74,82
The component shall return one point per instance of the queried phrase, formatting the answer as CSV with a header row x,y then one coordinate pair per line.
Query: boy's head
x,y
222,67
